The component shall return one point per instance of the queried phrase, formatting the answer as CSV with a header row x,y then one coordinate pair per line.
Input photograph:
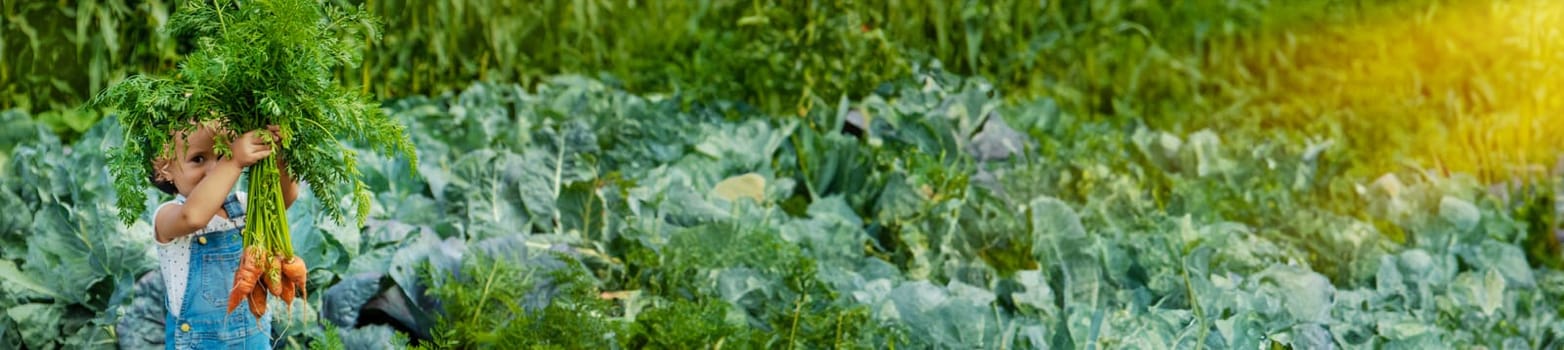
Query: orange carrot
x,y
274,279
297,274
288,288
245,277
258,302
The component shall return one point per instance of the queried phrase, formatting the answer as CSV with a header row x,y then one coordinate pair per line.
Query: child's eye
x,y
197,159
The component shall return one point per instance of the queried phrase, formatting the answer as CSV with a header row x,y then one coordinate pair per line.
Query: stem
x,y
559,168
487,282
837,343
369,6
220,22
1194,301
792,335
268,224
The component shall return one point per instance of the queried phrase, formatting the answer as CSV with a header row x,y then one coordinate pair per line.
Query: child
x,y
199,242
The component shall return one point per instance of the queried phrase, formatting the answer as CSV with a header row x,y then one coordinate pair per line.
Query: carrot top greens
x,y
253,64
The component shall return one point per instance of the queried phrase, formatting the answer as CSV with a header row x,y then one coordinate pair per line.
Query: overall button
x,y
185,327
201,239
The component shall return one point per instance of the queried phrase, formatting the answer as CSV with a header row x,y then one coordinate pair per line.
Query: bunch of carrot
x,y
267,263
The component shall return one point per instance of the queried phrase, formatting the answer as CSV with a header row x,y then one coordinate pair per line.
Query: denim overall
x,y
204,321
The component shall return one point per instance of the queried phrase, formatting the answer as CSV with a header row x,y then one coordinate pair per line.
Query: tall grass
x,y
1460,86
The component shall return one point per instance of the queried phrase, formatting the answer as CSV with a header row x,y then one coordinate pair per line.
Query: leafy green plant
x,y
67,263
1536,206
487,307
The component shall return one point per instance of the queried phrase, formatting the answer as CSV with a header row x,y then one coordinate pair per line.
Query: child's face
x,y
188,161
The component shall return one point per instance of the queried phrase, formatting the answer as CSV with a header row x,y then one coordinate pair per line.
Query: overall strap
x,y
233,206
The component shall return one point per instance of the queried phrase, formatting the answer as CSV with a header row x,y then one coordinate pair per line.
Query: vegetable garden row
x,y
578,215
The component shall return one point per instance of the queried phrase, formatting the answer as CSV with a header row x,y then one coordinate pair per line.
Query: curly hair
x,y
162,185
147,152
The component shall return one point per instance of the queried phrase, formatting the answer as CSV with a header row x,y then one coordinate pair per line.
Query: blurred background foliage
x,y
772,54
1456,85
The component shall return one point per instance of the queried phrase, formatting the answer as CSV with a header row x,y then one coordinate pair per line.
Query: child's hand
x,y
251,147
276,133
